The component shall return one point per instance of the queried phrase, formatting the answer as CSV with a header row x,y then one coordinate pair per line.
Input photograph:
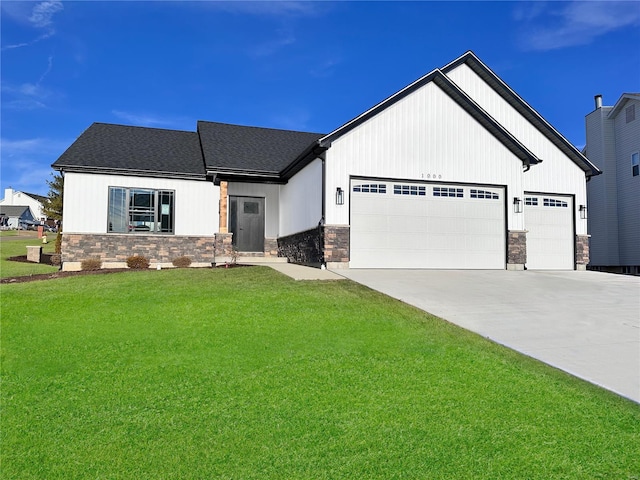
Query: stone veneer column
x,y
516,249
582,252
223,207
336,246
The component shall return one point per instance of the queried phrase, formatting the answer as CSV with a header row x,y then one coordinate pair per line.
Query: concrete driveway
x,y
585,323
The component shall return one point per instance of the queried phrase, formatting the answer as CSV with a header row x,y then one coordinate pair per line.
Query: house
x,y
33,201
16,217
613,145
453,171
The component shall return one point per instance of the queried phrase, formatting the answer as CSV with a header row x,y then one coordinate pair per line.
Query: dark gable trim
x,y
522,107
458,96
129,173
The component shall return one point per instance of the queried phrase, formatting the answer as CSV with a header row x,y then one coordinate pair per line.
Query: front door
x,y
246,222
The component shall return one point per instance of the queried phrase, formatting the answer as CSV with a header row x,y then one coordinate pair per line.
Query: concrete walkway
x,y
585,323
297,272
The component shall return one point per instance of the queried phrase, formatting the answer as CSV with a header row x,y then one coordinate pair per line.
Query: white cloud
x,y
577,23
284,38
40,16
28,96
270,8
147,120
42,13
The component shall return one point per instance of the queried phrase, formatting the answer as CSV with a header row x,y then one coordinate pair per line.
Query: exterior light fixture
x,y
583,212
339,196
517,205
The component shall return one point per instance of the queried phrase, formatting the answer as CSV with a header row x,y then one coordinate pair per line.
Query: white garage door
x,y
549,221
397,224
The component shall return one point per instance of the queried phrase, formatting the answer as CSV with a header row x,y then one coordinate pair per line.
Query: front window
x,y
138,210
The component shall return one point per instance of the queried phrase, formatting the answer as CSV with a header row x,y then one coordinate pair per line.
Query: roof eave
x,y
128,172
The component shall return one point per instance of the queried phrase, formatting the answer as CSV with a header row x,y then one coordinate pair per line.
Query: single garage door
x,y
397,224
549,224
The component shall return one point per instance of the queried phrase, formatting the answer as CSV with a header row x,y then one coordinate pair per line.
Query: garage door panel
x,y
426,226
550,232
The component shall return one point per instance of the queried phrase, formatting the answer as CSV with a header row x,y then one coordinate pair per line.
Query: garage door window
x,y
409,190
552,202
531,201
484,194
371,188
447,192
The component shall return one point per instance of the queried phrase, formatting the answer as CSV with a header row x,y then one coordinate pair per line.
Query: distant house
x,y
453,171
33,201
613,145
16,217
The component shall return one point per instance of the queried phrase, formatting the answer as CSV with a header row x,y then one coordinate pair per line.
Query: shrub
x,y
181,262
59,242
91,264
137,262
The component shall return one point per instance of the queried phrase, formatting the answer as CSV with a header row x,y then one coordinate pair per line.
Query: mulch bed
x,y
61,274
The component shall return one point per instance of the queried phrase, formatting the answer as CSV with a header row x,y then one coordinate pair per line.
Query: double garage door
x,y
397,224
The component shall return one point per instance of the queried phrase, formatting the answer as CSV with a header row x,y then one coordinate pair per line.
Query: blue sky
x,y
307,66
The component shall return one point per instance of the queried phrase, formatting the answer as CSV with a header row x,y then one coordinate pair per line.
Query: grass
x,y
17,247
243,373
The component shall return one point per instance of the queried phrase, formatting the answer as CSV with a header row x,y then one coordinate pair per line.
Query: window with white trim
x,y
531,201
475,193
635,164
552,202
140,210
409,190
448,192
371,188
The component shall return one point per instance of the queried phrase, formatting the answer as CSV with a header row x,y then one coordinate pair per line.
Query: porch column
x,y
223,207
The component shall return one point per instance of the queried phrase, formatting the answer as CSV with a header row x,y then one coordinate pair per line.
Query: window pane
x,y
117,214
165,199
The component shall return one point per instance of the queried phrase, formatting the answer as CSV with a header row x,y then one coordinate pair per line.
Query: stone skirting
x,y
113,248
336,244
271,247
303,248
516,249
582,251
223,244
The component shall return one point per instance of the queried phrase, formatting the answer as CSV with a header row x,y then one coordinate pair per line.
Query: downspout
x,y
323,263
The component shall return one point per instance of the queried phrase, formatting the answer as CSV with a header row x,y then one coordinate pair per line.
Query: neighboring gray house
x,y
613,145
453,171
16,216
32,200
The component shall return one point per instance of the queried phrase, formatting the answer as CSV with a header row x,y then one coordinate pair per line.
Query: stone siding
x,y
271,247
223,244
516,248
582,249
116,248
303,248
336,243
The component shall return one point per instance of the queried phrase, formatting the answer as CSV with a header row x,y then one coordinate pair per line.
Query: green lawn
x,y
244,373
12,247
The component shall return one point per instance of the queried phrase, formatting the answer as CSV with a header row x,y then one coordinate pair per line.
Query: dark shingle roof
x,y
251,150
37,197
15,211
134,150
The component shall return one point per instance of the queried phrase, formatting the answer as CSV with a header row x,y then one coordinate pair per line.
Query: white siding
x,y
425,136
86,202
270,193
627,141
13,197
301,200
557,173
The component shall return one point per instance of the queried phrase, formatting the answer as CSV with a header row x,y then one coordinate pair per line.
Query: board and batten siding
x,y
301,200
86,199
426,136
627,141
557,173
270,194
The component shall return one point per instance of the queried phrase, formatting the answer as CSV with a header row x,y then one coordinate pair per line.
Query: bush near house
x,y
181,262
137,262
91,264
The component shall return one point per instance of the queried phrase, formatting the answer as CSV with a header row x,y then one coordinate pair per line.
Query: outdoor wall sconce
x,y
517,205
339,196
583,212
